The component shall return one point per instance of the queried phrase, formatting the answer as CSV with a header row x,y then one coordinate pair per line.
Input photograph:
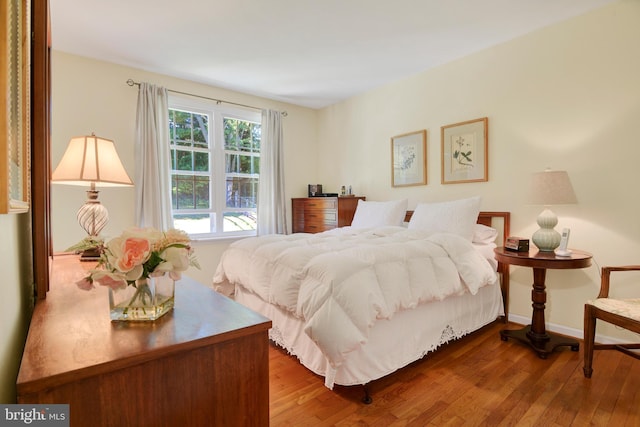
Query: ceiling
x,y
311,53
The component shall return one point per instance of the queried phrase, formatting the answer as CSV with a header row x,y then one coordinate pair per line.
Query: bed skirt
x,y
393,343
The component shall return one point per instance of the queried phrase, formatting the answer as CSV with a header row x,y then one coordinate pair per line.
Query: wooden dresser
x,y
205,363
316,214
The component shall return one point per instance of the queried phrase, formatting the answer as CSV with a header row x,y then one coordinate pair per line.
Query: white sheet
x,y
346,280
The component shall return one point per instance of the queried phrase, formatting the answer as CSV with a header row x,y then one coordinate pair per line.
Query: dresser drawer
x,y
321,203
328,216
317,227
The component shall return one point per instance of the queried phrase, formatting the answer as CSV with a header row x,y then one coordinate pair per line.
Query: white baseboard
x,y
563,330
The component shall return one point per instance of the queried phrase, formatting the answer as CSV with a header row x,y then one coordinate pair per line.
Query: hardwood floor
x,y
478,380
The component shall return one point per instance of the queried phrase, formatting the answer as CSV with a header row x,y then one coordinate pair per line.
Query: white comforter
x,y
341,281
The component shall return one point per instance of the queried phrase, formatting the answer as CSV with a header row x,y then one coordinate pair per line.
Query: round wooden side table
x,y
535,334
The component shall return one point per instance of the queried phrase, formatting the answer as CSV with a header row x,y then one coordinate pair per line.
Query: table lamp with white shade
x,y
550,188
91,160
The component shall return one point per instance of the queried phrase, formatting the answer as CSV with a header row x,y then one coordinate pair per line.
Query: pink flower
x,y
114,281
135,252
85,283
128,254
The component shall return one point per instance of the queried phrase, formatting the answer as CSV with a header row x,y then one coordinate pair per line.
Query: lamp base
x,y
547,239
92,216
90,255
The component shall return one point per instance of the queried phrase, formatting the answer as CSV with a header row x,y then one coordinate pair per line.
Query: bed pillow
x,y
483,234
457,217
379,214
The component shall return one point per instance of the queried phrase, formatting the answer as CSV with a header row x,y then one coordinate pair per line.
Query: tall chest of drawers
x,y
316,214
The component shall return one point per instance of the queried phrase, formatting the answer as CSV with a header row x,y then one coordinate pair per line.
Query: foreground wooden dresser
x,y
203,364
316,214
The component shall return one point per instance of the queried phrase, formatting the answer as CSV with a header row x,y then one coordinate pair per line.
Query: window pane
x,y
231,163
246,164
242,192
230,134
242,135
239,221
195,223
184,160
188,129
200,130
190,192
201,162
182,128
202,192
256,134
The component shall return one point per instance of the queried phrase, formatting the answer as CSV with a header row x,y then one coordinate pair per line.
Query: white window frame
x,y
217,171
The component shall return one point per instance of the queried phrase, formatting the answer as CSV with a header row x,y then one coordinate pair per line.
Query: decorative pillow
x,y
457,216
379,214
483,234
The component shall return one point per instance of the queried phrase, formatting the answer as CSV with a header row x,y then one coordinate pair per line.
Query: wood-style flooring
x,y
478,380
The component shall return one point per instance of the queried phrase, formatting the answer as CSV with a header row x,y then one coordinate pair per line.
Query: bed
x,y
317,288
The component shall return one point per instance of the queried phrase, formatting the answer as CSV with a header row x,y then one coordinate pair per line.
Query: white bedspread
x,y
341,281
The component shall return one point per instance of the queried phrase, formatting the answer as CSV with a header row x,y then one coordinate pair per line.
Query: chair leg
x,y
589,338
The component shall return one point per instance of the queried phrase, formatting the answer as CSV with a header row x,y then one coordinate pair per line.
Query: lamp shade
x,y
552,188
91,159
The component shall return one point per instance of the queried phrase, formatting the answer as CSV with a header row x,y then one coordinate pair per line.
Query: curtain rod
x,y
130,82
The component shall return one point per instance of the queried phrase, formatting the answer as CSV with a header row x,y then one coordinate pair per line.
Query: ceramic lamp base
x,y
546,238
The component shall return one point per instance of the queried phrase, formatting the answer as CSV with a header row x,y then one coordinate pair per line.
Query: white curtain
x,y
153,182
271,200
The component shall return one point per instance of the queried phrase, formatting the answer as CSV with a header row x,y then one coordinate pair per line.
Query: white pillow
x,y
379,214
457,216
483,234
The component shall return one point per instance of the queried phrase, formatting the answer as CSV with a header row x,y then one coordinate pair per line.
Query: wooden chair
x,y
624,313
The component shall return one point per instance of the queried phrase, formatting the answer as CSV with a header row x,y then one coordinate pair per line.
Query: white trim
x,y
564,330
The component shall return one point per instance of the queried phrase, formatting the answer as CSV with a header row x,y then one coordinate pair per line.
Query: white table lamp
x,y
91,160
550,188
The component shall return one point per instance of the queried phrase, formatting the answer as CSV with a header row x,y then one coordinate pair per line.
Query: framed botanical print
x,y
464,152
409,159
15,66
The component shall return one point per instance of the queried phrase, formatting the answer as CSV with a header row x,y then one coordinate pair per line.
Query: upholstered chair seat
x,y
624,313
622,307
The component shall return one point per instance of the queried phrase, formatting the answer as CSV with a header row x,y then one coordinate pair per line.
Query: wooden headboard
x,y
501,221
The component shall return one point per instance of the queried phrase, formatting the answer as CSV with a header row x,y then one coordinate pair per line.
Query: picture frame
x,y
15,119
465,152
409,159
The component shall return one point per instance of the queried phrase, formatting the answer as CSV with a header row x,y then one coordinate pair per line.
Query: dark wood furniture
x,y
598,310
204,363
316,214
535,334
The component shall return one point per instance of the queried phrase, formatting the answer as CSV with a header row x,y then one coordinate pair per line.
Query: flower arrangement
x,y
139,254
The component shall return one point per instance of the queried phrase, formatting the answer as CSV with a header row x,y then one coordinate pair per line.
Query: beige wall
x,y
16,290
566,97
92,96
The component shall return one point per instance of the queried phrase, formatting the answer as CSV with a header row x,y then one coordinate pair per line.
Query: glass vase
x,y
146,300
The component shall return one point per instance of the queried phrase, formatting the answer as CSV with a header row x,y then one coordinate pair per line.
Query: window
x,y
215,168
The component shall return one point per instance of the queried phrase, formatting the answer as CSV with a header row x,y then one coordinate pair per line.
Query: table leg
x,y
535,334
539,299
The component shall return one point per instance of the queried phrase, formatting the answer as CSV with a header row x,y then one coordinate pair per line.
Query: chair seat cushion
x,y
623,307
